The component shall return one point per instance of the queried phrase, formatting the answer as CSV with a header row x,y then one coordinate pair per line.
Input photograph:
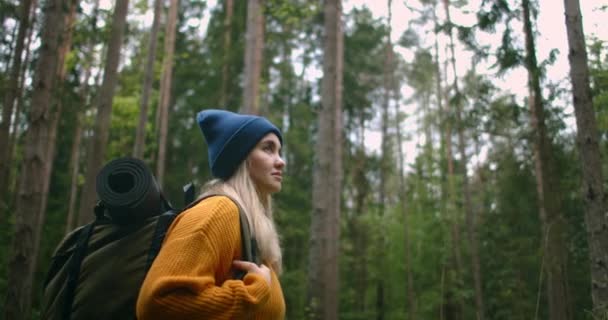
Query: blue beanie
x,y
231,137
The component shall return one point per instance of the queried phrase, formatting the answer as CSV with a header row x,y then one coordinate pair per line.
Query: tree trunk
x,y
587,140
98,144
140,135
253,57
11,94
453,207
31,191
384,163
327,176
74,164
229,8
55,115
165,96
553,224
10,183
466,188
411,297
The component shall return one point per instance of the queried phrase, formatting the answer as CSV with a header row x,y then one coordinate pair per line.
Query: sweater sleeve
x,y
186,281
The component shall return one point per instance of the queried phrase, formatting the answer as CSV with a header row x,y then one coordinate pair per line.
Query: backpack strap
x,y
163,223
248,243
76,261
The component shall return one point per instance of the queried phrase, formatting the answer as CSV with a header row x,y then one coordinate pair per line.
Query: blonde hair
x,y
258,210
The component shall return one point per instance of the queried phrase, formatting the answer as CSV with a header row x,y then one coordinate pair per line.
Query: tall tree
x,y
327,176
457,101
31,192
254,47
165,93
385,162
140,135
57,101
229,9
552,220
83,95
587,141
97,148
10,96
410,293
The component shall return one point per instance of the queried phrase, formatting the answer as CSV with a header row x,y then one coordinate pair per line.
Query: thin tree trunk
x,y
140,135
11,94
468,207
253,57
385,163
75,152
411,300
13,137
98,144
587,140
55,115
553,224
229,8
31,191
452,205
165,96
327,176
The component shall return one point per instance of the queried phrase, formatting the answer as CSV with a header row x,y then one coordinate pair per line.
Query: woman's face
x,y
266,165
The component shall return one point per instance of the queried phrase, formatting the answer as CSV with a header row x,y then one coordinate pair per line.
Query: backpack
x,y
97,269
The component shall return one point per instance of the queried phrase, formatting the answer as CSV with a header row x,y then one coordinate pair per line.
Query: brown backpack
x,y
97,269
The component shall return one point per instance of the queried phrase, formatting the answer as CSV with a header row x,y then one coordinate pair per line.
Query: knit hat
x,y
231,137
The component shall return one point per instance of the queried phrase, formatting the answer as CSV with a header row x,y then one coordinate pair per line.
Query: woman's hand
x,y
251,267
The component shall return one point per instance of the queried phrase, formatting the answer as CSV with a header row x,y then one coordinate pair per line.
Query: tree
x,y
327,176
9,101
253,57
140,135
165,90
552,220
97,148
587,140
229,8
458,101
35,165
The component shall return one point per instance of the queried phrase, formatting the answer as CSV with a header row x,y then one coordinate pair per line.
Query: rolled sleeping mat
x,y
128,190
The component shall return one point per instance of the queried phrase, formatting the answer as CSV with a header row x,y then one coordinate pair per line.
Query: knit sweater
x,y
191,277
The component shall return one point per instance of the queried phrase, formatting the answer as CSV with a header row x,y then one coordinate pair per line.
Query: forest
x,y
418,184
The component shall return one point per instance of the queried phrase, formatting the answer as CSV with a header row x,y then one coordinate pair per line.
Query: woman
x,y
192,276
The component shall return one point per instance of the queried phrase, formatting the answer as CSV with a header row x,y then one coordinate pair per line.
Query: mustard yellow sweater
x,y
191,277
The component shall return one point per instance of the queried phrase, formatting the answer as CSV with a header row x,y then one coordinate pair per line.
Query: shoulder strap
x,y
248,243
73,267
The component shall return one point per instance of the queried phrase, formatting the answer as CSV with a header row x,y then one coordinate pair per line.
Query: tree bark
x,y
165,96
97,147
587,141
384,162
11,94
229,8
466,188
254,47
75,152
70,19
10,184
140,134
327,176
453,208
31,191
553,224
411,296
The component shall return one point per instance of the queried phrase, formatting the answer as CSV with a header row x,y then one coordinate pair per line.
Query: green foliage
x,y
373,233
